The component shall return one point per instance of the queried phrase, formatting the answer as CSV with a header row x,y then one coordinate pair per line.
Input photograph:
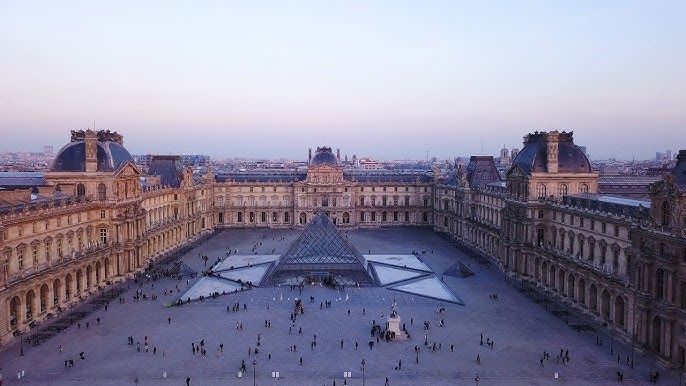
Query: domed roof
x,y
324,156
72,157
533,157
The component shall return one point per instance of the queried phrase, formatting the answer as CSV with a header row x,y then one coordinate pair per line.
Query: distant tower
x,y
309,155
338,156
91,139
47,150
515,153
504,155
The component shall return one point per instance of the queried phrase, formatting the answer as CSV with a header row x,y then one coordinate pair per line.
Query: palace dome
x,y
533,157
111,153
324,156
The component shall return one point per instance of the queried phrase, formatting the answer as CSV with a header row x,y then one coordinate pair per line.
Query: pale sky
x,y
388,79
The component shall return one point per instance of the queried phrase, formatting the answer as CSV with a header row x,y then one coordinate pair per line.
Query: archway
x,y
44,293
107,267
593,298
570,286
67,286
303,218
656,338
605,303
551,272
561,281
89,272
56,291
544,272
30,304
15,310
79,277
98,268
581,291
619,311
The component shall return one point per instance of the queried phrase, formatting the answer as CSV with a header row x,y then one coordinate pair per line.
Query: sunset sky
x,y
387,79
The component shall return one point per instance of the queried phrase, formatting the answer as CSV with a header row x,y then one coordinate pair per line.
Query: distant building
x,y
47,150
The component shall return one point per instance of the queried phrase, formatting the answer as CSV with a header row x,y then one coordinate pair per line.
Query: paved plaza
x,y
520,329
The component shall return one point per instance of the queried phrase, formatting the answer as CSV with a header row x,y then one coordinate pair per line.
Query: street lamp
x,y
363,362
21,344
612,340
254,367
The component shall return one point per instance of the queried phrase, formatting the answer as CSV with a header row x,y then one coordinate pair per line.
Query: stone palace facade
x,y
96,220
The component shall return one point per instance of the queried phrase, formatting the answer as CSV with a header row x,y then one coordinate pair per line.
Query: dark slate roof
x,y
388,176
679,171
481,171
72,157
324,156
532,158
168,168
21,180
276,176
609,204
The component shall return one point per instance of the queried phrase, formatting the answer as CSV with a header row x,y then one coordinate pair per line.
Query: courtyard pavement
x,y
521,331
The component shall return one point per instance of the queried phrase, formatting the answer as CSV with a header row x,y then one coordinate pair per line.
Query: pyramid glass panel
x,y
320,253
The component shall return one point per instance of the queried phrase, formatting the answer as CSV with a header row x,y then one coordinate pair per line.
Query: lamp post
x,y
612,340
363,363
254,367
21,344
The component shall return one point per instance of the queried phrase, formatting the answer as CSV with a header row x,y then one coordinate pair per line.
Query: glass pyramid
x,y
320,253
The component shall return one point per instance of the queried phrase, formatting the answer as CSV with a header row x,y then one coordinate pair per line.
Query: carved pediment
x,y
128,170
516,172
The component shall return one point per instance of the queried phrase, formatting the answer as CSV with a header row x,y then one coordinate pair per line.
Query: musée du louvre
x,y
94,219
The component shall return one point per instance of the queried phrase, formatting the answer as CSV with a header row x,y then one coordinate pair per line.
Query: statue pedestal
x,y
393,325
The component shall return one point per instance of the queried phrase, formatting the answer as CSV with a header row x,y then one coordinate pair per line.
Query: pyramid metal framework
x,y
320,252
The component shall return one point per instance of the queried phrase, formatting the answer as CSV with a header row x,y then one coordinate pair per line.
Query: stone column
x,y
667,338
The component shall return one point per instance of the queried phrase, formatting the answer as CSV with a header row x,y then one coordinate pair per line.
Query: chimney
x,y
553,140
338,155
91,139
309,156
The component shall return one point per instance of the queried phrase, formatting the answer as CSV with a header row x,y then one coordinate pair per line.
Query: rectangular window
x,y
540,236
59,247
616,230
34,254
48,248
103,236
603,227
20,257
361,201
373,216
102,214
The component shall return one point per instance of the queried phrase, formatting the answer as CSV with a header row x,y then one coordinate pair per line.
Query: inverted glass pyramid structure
x,y
320,254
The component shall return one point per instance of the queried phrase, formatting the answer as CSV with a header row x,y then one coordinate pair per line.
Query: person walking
x,y
188,381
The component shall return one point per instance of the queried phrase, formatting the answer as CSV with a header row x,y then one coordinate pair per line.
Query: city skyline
x,y
389,80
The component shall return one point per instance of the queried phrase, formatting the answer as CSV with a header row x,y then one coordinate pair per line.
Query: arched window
x,y
80,190
659,283
665,214
562,190
102,192
541,190
583,188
